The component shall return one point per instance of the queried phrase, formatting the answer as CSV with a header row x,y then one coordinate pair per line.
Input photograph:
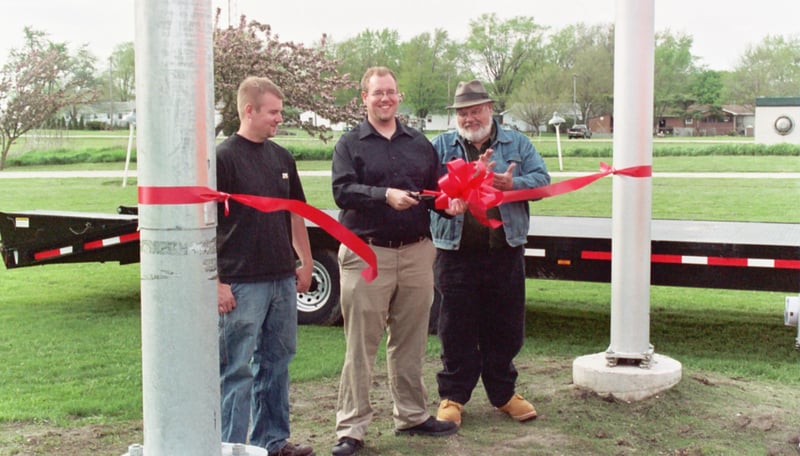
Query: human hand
x,y
400,200
303,277
486,158
456,206
504,181
225,300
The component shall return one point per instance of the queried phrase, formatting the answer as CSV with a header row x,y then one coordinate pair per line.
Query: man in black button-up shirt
x,y
379,168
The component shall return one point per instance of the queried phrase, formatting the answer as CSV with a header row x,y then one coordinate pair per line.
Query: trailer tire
x,y
320,305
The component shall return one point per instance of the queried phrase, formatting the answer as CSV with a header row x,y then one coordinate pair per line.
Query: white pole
x,y
631,203
629,370
558,145
128,155
175,106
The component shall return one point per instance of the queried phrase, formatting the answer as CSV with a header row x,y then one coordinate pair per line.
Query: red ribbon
x,y
570,185
471,182
191,195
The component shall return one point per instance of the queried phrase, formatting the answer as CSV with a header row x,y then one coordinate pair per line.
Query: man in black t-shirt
x,y
258,276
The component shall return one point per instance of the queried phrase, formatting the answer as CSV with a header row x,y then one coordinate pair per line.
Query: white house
x,y
319,121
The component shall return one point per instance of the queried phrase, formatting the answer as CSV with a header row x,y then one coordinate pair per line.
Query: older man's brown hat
x,y
470,94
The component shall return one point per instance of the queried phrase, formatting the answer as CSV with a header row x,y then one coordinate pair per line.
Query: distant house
x,y
601,124
114,113
319,121
705,120
511,121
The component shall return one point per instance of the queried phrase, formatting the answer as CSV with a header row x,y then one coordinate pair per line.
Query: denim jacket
x,y
530,171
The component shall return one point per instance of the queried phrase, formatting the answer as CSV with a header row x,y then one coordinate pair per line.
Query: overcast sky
x,y
722,29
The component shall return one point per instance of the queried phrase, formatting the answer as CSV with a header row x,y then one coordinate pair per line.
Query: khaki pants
x,y
398,301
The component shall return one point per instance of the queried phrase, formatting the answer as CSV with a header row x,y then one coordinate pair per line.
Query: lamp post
x,y
556,121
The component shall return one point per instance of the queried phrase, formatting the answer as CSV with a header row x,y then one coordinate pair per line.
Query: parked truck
x,y
707,254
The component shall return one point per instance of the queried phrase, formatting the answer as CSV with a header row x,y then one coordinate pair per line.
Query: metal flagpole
x,y
629,369
175,106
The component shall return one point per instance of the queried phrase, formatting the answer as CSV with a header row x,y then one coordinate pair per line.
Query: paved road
x,y
556,174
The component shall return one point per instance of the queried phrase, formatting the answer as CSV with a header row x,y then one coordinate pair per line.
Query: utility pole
x,y
574,98
110,94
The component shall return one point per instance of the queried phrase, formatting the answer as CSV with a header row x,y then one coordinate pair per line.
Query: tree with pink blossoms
x,y
308,78
37,81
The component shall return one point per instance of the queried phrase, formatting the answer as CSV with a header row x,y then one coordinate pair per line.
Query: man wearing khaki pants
x,y
379,169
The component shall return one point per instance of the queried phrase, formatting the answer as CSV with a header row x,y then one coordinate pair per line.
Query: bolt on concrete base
x,y
627,383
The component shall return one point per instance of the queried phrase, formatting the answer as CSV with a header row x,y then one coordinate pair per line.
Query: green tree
x,y
706,87
83,70
429,63
504,52
307,76
585,55
674,67
124,72
538,96
770,68
367,49
38,81
576,64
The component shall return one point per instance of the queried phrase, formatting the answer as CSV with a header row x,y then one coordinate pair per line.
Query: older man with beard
x,y
480,271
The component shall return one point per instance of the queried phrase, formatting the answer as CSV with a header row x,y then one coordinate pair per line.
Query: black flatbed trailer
x,y
688,253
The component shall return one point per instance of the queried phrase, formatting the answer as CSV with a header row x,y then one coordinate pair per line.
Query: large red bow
x,y
472,183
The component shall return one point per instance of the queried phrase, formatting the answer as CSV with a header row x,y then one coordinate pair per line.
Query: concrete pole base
x,y
627,383
228,449
238,449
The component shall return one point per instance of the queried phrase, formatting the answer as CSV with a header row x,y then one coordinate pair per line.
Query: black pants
x,y
482,321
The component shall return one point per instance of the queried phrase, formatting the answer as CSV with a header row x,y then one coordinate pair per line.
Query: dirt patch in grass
x,y
26,439
704,414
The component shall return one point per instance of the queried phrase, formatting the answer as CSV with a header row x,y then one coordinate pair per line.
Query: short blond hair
x,y
250,91
375,71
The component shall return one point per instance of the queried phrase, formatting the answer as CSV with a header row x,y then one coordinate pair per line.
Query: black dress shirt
x,y
365,164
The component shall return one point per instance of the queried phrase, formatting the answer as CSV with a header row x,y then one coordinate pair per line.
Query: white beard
x,y
475,135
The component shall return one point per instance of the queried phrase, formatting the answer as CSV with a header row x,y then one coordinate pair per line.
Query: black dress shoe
x,y
431,426
347,446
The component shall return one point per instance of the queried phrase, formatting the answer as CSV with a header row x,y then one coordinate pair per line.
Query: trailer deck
x,y
735,255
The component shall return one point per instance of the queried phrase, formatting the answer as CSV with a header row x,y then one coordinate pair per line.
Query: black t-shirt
x,y
254,246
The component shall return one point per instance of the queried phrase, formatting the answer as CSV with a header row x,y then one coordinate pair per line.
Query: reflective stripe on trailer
x,y
706,261
45,254
92,245
111,241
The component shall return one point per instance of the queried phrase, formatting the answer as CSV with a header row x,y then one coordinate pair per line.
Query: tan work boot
x,y
450,411
519,409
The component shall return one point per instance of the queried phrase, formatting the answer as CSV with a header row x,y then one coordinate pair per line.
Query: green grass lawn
x,y
71,334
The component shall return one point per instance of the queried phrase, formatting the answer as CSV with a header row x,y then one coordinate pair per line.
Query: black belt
x,y
393,244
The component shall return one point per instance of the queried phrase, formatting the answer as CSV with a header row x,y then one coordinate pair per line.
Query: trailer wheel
x,y
320,305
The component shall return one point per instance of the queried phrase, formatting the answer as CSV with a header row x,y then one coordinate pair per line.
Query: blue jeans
x,y
257,340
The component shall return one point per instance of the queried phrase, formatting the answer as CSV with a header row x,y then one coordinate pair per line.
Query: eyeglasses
x,y
380,94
